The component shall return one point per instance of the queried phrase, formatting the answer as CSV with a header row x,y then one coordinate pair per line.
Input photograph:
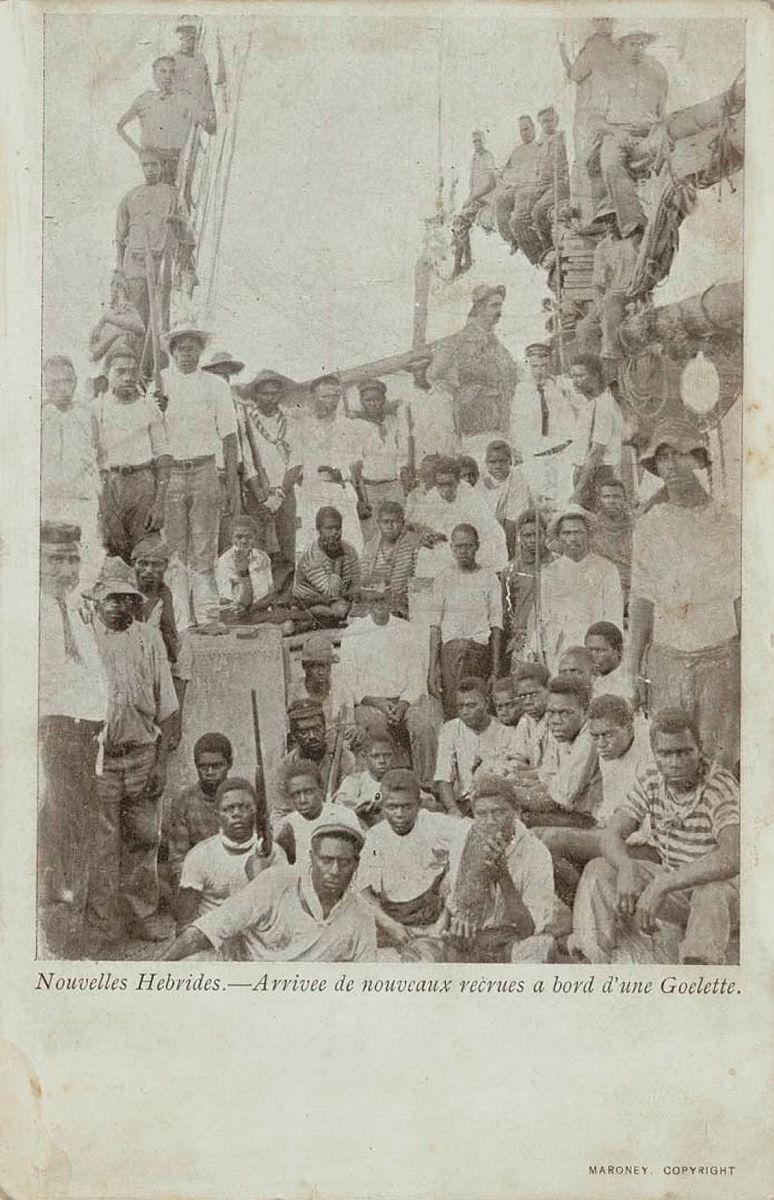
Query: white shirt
x,y
378,447
567,768
619,774
403,867
468,508
302,828
462,750
325,444
598,420
530,867
380,660
69,688
574,596
68,462
615,683
686,561
359,788
200,413
128,433
467,604
210,868
259,571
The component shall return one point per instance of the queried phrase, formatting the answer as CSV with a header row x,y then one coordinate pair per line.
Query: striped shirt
x,y
320,578
684,830
392,566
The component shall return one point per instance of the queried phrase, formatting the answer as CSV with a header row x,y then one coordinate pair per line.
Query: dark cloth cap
x,y
538,348
372,385
59,533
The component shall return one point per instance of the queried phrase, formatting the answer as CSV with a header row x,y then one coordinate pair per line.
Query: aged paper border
x,y
343,1095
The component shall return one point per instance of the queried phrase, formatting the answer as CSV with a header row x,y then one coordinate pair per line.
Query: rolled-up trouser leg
x,y
712,916
619,185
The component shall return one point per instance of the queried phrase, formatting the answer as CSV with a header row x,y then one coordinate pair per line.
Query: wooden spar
x,y
422,275
687,122
716,312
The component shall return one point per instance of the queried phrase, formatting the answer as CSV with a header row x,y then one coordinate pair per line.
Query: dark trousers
x,y
459,658
68,753
125,503
126,843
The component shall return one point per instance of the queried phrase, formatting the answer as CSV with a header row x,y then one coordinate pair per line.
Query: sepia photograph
x,y
391,465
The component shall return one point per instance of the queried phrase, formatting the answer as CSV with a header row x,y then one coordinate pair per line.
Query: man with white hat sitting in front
x,y
200,421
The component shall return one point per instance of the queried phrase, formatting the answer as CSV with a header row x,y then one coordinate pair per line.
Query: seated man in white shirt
x,y
220,865
405,862
501,905
361,791
530,688
243,572
466,624
562,786
472,739
604,641
303,786
622,749
306,913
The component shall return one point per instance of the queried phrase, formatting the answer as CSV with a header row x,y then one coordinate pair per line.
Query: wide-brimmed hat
x,y
185,329
115,578
222,358
246,389
318,648
634,31
679,433
570,510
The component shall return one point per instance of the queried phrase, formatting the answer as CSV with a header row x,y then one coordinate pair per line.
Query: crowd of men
x,y
514,734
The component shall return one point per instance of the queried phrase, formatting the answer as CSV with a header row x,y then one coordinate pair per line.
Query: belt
x,y
187,464
375,482
130,470
126,749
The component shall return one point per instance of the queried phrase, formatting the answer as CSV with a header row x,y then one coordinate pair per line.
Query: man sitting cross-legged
x,y
304,789
501,905
306,913
693,806
405,861
621,745
221,865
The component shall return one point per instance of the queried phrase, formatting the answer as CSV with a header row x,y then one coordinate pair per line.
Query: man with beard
x,y
71,709
327,573
313,742
306,913
133,457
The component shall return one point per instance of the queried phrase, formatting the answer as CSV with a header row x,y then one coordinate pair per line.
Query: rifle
x,y
153,321
538,597
262,822
410,474
334,771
